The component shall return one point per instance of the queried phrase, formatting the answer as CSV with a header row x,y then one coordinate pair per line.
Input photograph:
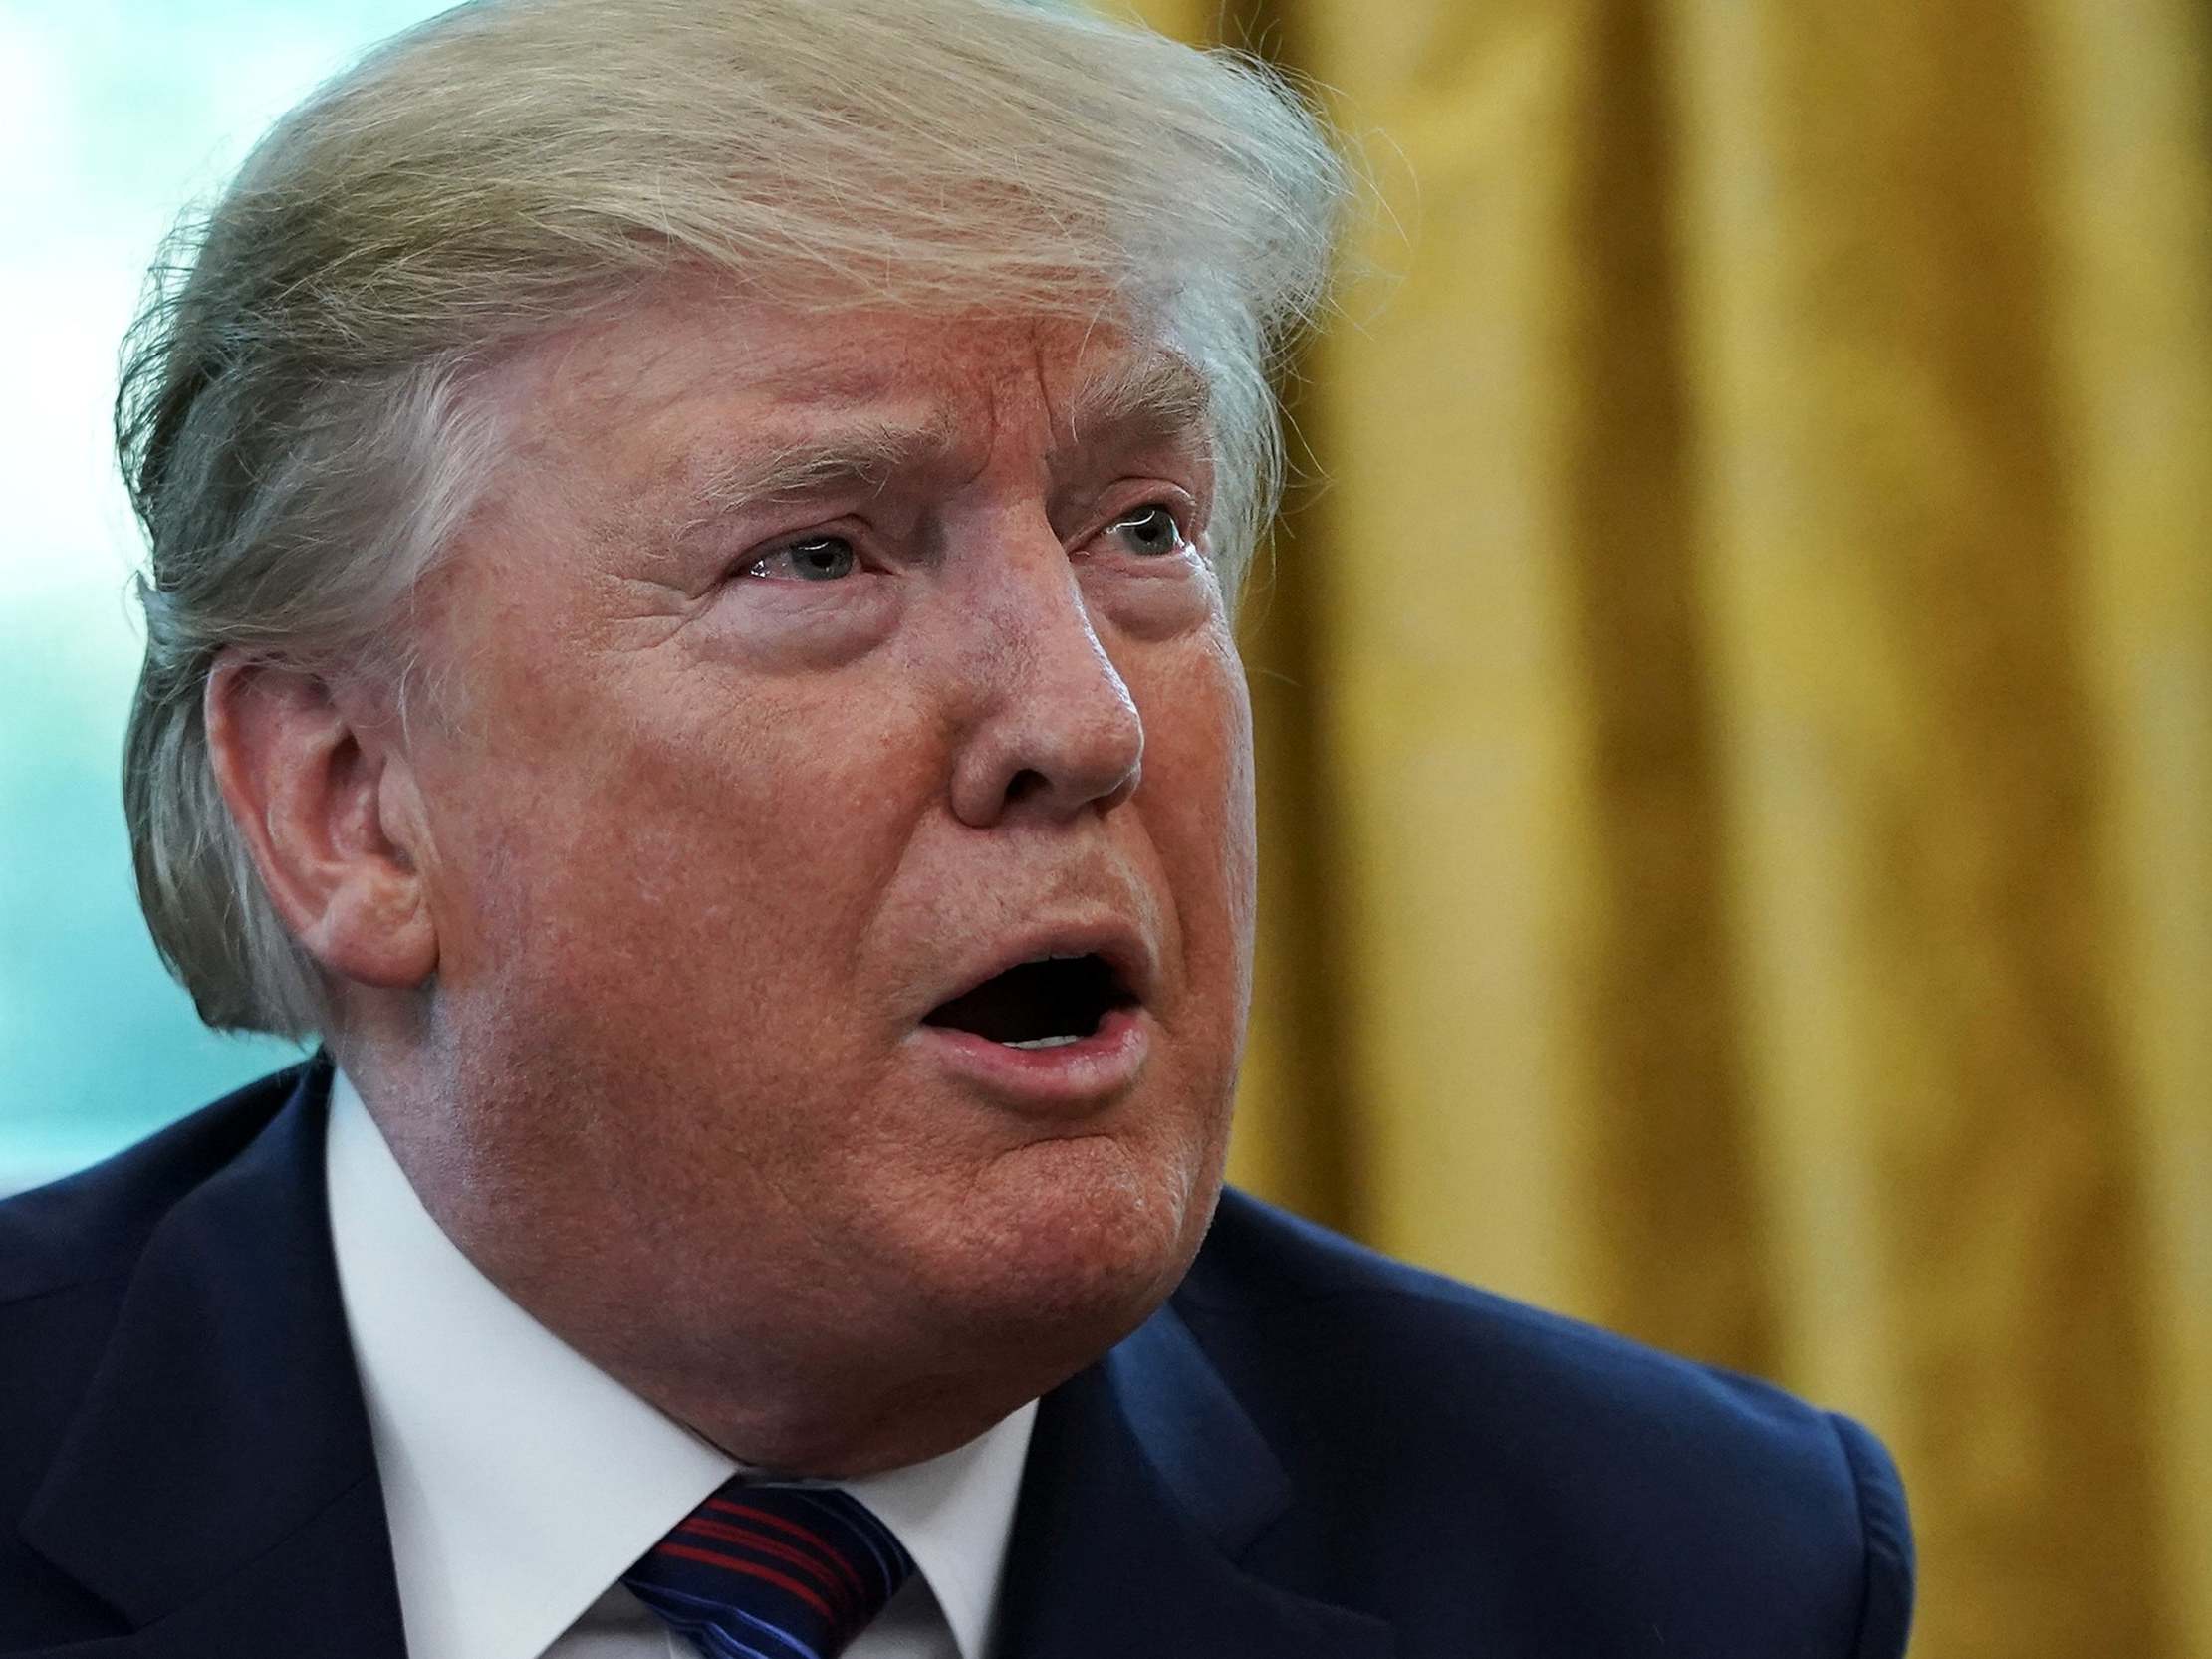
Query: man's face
x,y
747,781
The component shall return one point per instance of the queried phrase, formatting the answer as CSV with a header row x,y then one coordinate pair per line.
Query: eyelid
x,y
1143,493
1179,503
1173,509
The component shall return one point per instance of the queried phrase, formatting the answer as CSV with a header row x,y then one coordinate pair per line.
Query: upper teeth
x,y
1042,1042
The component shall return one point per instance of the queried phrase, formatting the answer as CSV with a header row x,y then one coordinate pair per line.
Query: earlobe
x,y
307,786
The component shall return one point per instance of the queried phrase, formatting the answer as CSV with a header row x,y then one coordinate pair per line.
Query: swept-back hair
x,y
295,421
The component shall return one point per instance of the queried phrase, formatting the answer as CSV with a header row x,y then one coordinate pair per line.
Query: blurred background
x,y
1735,692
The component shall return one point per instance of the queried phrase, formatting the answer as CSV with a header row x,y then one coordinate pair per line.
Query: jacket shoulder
x,y
1647,1504
91,1226
139,1336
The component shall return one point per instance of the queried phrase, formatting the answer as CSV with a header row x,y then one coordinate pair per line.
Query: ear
x,y
327,805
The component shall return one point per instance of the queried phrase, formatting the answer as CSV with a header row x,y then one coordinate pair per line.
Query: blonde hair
x,y
293,422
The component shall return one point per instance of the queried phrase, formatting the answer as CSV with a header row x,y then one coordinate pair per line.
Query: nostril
x,y
1025,783
1125,788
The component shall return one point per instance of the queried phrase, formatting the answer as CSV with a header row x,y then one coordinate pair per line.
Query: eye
x,y
1152,530
814,559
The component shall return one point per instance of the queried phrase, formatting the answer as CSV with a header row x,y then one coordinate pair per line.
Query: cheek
x,y
682,853
1197,799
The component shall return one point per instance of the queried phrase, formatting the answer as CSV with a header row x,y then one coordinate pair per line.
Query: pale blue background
x,y
112,114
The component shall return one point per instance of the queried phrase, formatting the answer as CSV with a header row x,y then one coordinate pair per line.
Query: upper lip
x,y
1120,945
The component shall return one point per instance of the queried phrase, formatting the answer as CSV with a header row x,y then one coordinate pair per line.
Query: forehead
x,y
688,384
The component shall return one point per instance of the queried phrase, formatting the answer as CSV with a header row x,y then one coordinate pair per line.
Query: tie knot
x,y
772,1573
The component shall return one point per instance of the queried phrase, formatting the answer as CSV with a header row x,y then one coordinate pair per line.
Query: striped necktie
x,y
772,1573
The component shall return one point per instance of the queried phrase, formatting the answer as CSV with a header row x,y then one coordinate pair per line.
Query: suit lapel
x,y
217,1487
1146,1483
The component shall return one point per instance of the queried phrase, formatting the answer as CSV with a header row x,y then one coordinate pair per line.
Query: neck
x,y
830,1394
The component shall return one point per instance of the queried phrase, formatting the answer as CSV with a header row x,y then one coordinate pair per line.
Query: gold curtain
x,y
1736,719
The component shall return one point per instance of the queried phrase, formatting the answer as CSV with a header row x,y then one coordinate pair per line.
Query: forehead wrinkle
x,y
831,386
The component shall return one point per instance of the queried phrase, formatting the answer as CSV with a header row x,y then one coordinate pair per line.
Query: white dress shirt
x,y
519,1481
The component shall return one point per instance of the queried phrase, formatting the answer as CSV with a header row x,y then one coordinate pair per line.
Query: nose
x,y
1053,730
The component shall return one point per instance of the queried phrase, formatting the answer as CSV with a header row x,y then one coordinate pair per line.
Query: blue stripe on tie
x,y
737,1599
697,1620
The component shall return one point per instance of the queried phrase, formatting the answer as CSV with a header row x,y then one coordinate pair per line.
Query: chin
x,y
1067,1247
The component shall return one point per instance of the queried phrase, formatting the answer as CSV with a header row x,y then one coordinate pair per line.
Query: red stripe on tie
x,y
829,1550
727,1534
782,1580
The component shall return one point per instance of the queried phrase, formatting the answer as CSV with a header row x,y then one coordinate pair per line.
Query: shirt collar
x,y
520,1479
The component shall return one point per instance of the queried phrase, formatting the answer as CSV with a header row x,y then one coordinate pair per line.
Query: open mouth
x,y
1047,1004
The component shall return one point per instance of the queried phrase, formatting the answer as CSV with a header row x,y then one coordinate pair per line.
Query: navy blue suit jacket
x,y
1312,1453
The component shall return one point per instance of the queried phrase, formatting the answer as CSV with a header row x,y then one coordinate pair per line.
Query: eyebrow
x,y
1161,396
863,454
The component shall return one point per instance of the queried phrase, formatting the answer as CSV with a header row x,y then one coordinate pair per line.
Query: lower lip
x,y
1078,1073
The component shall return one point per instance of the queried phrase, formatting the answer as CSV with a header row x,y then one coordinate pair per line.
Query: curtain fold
x,y
1735,724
